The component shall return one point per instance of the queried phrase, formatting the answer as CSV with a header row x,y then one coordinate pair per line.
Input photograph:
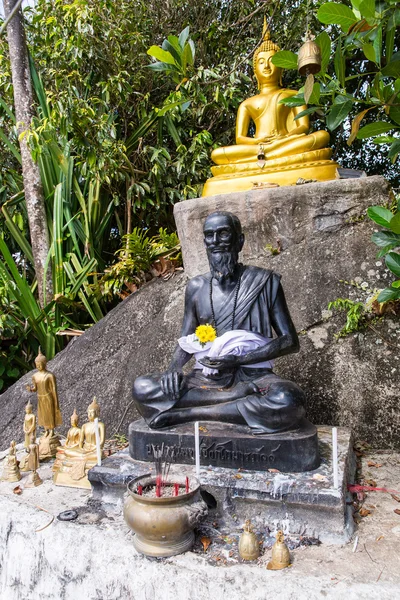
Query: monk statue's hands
x,y
171,383
222,363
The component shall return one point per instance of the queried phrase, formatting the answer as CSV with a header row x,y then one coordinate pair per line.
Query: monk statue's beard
x,y
222,264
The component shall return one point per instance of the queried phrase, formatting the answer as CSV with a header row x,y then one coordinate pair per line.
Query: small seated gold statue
x,y
33,479
72,440
79,459
249,548
282,149
280,554
49,415
29,430
11,470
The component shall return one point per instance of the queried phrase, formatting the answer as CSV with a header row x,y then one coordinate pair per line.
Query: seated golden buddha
x,y
282,149
79,453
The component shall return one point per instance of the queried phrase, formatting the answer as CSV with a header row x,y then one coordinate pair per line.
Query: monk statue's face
x,y
223,240
265,70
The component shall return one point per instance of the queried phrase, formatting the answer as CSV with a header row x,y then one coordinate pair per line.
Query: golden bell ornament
x,y
309,58
280,554
249,548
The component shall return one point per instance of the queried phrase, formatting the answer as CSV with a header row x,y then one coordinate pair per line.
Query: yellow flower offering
x,y
205,333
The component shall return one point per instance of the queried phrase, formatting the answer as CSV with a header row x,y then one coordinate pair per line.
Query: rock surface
x,y
93,558
136,337
325,242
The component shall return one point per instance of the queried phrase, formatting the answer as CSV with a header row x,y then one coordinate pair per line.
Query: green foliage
x,y
138,258
388,240
360,71
355,315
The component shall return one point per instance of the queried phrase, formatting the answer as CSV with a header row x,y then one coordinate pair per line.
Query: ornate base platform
x,y
48,446
73,473
224,445
304,504
282,171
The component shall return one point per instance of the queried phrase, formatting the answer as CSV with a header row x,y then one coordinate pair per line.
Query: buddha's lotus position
x,y
74,432
79,458
72,441
232,380
11,470
286,146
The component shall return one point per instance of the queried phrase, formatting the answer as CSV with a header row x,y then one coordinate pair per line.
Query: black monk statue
x,y
235,383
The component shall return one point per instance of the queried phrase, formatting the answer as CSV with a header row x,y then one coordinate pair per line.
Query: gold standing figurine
x,y
72,440
11,471
29,431
33,479
282,149
249,548
280,554
79,459
49,415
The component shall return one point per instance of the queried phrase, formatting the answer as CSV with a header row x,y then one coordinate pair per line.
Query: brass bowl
x,y
163,526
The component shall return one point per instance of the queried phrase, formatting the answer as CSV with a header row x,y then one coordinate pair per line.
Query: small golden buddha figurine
x,y
79,459
280,554
33,479
49,415
249,548
29,430
72,441
282,149
11,470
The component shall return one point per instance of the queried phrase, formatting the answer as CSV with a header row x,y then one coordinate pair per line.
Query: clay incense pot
x,y
163,526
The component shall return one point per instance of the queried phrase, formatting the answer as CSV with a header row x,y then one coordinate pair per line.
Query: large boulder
x,y
325,242
136,337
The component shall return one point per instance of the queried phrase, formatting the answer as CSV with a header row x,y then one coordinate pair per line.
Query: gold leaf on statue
x,y
308,88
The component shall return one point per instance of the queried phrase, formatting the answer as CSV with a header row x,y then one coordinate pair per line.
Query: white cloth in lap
x,y
237,342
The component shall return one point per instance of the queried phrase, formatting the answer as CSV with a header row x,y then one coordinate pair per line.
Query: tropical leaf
x,y
389,294
161,55
324,42
374,129
338,113
332,13
393,262
395,222
285,59
380,215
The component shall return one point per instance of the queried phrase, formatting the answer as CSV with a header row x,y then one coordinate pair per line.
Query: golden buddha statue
x,y
49,415
29,431
72,441
11,471
33,479
282,149
79,459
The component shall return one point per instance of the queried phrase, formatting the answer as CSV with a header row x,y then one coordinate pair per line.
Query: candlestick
x,y
97,434
197,448
335,458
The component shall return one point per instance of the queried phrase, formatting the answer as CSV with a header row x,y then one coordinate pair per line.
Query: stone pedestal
x,y
302,503
232,446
